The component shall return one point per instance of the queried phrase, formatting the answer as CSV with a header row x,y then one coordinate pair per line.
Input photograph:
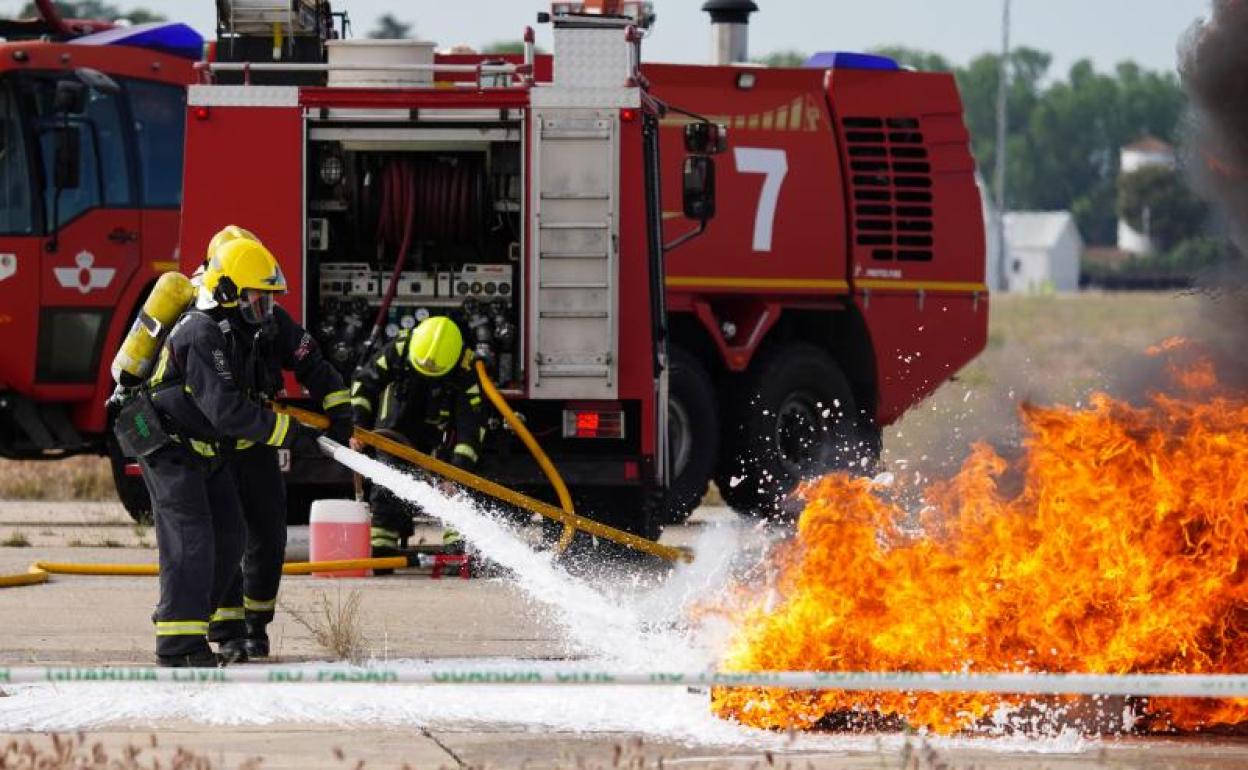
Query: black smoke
x,y
1213,65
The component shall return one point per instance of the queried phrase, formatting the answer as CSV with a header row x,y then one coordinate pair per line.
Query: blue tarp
x,y
166,37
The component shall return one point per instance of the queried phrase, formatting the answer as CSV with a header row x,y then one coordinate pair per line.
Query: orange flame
x,y
1114,543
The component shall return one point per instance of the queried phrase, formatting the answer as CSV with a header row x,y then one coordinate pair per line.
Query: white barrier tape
x,y
1174,685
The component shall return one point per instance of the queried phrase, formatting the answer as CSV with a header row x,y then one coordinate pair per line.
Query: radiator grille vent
x,y
891,188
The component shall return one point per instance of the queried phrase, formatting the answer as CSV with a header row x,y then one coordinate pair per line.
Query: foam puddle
x,y
672,715
623,627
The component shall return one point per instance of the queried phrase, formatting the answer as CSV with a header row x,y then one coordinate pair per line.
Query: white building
x,y
1043,249
992,236
1148,152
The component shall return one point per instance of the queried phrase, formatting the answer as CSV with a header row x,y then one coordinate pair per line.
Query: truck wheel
x,y
796,419
130,489
693,435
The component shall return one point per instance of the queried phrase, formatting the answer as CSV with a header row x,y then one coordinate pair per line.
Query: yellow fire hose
x,y
535,449
33,576
497,491
289,568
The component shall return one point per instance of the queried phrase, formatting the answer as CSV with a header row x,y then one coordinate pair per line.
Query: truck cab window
x,y
159,112
16,203
104,179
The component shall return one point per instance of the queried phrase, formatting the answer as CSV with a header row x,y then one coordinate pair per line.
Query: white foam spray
x,y
615,629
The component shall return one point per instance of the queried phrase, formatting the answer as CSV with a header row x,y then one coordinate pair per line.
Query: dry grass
x,y
335,624
85,477
16,539
76,752
1041,349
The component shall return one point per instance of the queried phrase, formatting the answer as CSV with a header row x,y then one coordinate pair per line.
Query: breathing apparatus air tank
x,y
171,295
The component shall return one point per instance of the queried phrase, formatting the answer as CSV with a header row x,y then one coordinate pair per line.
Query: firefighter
x,y
239,624
202,401
423,386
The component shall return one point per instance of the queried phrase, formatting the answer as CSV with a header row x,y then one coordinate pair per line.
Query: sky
x,y
1107,31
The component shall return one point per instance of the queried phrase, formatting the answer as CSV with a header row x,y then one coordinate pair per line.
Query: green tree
x,y
502,47
508,47
1156,200
1197,253
390,28
95,10
789,58
1065,134
923,61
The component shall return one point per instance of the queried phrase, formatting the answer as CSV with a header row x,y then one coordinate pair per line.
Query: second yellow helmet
x,y
435,346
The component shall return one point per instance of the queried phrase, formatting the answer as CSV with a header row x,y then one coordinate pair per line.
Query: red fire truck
x,y
91,127
661,314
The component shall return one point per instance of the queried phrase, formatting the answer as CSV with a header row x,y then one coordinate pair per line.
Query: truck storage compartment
x,y
445,205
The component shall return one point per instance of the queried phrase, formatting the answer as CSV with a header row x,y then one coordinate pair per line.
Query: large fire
x,y
1114,543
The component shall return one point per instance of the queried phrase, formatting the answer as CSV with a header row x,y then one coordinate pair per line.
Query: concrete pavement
x,y
98,620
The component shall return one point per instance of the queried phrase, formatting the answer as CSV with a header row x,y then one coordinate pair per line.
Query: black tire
x,y
795,419
131,490
631,509
693,435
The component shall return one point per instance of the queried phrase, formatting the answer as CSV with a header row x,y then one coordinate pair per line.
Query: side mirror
x,y
67,157
70,98
699,187
703,138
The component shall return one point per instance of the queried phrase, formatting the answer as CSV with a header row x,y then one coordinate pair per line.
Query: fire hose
x,y
398,208
572,523
40,570
565,516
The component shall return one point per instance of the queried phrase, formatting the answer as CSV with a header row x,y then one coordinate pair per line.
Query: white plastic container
x,y
365,53
339,529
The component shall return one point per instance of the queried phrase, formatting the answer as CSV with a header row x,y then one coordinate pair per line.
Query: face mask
x,y
256,306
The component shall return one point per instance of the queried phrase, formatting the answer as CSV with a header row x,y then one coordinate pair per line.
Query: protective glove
x,y
341,424
302,440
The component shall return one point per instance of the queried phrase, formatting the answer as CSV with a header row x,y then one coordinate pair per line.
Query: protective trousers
x,y
251,597
391,514
199,532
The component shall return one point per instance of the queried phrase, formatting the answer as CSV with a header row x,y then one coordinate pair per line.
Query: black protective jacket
x,y
388,392
213,375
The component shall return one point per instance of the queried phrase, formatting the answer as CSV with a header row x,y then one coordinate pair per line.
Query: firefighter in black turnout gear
x,y
203,401
423,385
239,623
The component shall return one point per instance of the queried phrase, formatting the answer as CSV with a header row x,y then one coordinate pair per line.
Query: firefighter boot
x,y
198,659
256,643
233,650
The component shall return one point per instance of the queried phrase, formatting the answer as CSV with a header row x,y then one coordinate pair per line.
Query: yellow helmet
x,y
244,273
435,346
227,234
